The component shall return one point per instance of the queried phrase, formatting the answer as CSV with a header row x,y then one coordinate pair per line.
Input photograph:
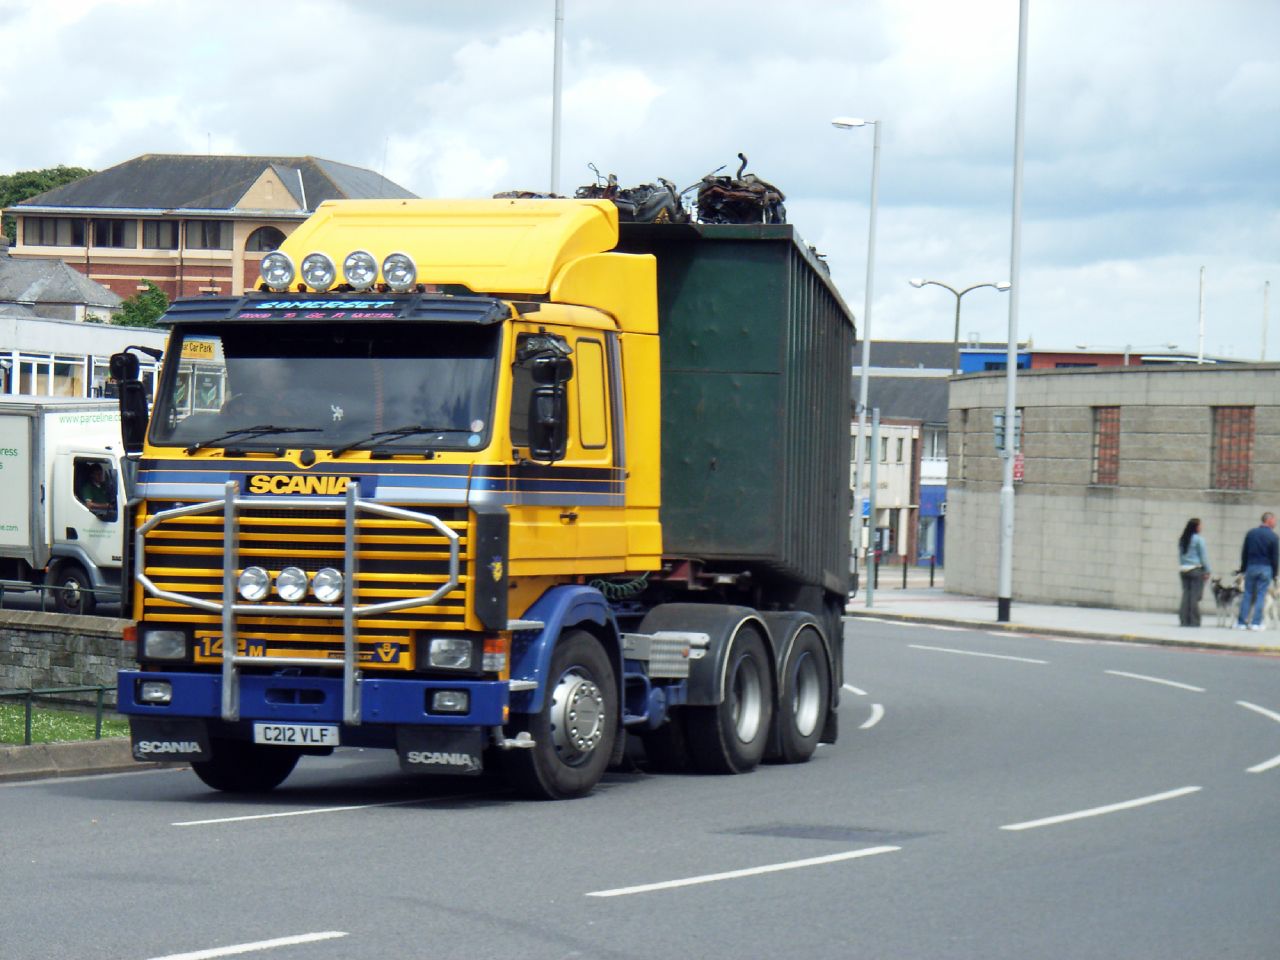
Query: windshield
x,y
330,385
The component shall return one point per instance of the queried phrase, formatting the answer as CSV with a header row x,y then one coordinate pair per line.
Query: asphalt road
x,y
991,796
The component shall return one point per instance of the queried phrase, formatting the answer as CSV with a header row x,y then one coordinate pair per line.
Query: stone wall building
x,y
1115,461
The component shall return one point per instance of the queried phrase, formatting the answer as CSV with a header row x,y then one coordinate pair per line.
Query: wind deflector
x,y
341,308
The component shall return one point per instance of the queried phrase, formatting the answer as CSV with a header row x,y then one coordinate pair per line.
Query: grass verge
x,y
55,726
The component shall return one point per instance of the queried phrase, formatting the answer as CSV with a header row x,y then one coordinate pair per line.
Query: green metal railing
x,y
29,697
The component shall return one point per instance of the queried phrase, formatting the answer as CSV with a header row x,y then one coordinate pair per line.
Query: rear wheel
x,y
574,731
239,767
804,697
731,736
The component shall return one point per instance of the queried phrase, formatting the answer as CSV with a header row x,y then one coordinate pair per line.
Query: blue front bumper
x,y
315,699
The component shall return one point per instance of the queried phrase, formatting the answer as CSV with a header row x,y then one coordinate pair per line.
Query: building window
x,y
884,449
901,447
1106,446
52,232
1232,448
115,233
209,234
264,240
935,444
159,235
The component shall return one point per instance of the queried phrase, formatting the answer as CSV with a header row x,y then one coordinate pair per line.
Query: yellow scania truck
x,y
494,484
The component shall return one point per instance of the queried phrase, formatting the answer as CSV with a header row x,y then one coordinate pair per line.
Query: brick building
x,y
1115,461
190,224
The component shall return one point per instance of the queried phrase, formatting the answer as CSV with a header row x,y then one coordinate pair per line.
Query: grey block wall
x,y
43,650
1109,546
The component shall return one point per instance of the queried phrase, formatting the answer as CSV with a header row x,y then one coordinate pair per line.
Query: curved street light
x,y
1002,285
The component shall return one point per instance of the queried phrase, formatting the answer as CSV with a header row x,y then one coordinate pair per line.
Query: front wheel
x,y
239,767
574,731
731,736
73,592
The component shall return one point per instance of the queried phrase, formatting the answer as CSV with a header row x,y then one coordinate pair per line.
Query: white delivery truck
x,y
61,498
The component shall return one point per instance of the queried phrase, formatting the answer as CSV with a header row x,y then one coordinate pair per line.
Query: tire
x,y
239,767
575,730
731,737
74,592
803,698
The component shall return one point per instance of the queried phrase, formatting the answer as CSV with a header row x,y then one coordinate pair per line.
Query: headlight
x,y
399,271
155,691
450,701
318,272
360,269
254,584
291,584
327,585
277,271
450,653
164,644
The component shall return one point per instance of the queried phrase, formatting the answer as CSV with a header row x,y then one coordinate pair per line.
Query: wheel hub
x,y
577,716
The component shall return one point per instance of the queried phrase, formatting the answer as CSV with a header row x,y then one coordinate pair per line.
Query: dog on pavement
x,y
1226,598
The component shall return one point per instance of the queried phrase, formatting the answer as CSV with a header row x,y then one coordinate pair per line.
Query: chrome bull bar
x,y
230,507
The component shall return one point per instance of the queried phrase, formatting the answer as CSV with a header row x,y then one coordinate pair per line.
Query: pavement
x,y
921,603
918,602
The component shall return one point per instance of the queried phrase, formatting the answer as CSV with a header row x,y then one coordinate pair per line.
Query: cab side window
x,y
95,487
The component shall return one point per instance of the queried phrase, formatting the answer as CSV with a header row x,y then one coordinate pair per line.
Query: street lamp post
x,y
1001,285
849,123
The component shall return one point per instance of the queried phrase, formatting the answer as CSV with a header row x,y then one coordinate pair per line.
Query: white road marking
x,y
853,689
974,653
1167,683
748,872
314,811
938,626
1099,811
877,620
1274,761
254,947
877,713
1008,633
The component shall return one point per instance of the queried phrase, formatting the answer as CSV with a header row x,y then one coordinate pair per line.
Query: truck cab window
x,y
95,487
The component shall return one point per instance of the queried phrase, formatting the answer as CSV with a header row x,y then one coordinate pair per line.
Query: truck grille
x,y
395,560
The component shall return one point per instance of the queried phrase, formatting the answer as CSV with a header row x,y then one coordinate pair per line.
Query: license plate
x,y
296,734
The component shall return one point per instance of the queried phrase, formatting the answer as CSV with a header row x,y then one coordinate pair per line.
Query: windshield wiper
x,y
396,433
261,430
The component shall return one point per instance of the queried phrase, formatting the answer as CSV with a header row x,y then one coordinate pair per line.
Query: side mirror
x,y
548,423
551,371
132,396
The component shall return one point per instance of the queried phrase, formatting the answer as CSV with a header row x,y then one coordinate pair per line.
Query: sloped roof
x,y
180,182
917,398
50,281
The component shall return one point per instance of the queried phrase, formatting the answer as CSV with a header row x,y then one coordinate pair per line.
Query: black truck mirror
x,y
132,396
548,423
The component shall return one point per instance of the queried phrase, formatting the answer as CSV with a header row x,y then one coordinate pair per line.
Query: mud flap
x,y
449,750
156,739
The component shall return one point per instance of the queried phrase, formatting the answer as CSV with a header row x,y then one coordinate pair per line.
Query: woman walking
x,y
1193,564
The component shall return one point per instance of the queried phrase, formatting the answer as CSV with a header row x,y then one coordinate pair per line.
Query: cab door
x,y
567,516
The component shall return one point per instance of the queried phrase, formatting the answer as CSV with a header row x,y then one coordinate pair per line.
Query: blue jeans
x,y
1256,581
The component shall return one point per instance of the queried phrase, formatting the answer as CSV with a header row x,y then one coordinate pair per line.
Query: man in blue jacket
x,y
1260,561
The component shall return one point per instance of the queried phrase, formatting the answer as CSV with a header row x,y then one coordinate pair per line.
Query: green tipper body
x,y
757,352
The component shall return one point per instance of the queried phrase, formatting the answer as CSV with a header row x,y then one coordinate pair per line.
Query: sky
x,y
1152,130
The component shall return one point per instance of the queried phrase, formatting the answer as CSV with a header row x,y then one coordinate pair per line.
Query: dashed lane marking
x,y
974,653
1167,683
1274,761
748,872
1099,811
240,948
877,714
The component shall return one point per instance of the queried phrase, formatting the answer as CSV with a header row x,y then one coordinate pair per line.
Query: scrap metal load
x,y
742,198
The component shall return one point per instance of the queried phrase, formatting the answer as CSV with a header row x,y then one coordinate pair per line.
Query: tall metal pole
x,y
1005,600
871,508
1200,342
555,98
866,335
955,340
1266,298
